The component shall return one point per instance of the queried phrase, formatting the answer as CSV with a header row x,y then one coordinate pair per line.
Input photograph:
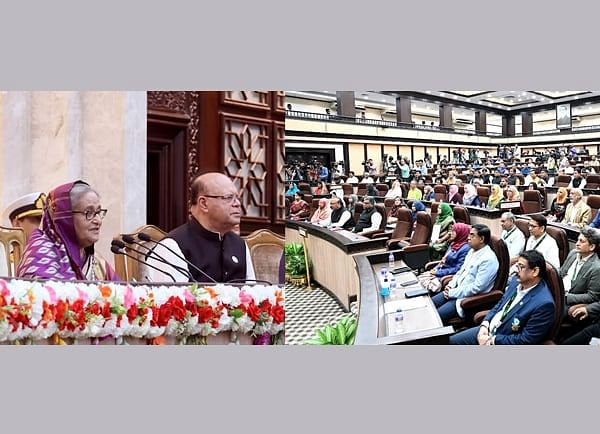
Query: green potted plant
x,y
295,263
341,333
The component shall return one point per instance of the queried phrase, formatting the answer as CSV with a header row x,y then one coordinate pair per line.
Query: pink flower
x,y
129,299
245,298
52,293
188,296
82,295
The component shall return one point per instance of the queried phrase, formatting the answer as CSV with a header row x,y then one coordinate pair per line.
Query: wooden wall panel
x,y
239,133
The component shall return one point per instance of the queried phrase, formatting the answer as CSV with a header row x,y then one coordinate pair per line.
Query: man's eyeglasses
x,y
520,266
89,214
532,226
228,198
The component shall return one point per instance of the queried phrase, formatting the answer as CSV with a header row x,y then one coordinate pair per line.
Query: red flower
x,y
164,314
106,311
278,314
205,314
178,309
132,313
253,312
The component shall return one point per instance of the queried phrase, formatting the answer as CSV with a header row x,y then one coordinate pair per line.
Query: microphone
x,y
145,237
119,251
130,240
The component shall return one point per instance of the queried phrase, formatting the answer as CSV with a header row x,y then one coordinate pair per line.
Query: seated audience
x,y
559,205
391,218
352,179
322,215
370,219
292,190
299,209
540,240
577,181
443,223
453,196
512,194
524,315
372,191
340,216
352,200
414,193
581,278
578,213
367,179
496,197
395,191
428,193
511,235
321,189
417,206
452,260
64,248
470,197
476,276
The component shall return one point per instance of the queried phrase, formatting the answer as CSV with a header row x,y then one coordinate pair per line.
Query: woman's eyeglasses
x,y
89,214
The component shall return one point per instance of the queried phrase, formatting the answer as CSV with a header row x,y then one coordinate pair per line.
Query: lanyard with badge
x,y
505,312
508,234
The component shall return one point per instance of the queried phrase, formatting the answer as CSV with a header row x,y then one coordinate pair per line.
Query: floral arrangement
x,y
35,310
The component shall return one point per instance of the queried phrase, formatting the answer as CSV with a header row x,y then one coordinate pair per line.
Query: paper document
x,y
405,304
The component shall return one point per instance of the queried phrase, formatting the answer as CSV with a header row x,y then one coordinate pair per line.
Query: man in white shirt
x,y
352,179
542,242
370,219
511,235
524,315
340,216
367,179
577,181
208,239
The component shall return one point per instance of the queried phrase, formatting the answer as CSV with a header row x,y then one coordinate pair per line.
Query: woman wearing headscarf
x,y
495,198
299,209
417,206
444,220
391,217
470,197
512,194
452,260
559,205
292,190
395,191
64,248
453,195
321,189
428,193
322,215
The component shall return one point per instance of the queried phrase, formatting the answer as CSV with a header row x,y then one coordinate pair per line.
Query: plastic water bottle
x,y
391,261
384,273
398,321
385,288
393,284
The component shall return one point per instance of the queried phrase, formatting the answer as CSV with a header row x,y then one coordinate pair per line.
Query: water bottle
x,y
391,261
385,288
398,321
392,284
384,273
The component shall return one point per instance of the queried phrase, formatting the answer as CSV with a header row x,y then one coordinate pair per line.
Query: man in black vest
x,y
208,239
370,219
340,216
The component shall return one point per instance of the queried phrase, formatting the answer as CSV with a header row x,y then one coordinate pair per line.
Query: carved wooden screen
x,y
239,133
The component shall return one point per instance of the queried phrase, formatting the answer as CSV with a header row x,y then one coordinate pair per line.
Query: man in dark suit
x,y
581,278
523,316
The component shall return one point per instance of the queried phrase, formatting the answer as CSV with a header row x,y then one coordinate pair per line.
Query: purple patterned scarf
x,y
53,252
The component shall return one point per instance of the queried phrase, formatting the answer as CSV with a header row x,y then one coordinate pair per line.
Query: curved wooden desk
x,y
331,255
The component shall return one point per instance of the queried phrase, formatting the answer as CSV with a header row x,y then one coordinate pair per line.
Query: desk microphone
x,y
119,251
145,237
152,254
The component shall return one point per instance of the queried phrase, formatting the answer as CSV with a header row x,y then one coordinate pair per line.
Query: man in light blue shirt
x,y
476,276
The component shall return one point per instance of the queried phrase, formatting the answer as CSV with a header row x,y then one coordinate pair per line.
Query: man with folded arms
x,y
476,276
525,313
577,213
581,278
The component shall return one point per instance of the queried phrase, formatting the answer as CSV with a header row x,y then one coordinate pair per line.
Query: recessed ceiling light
x,y
366,96
468,99
382,100
576,96
428,91
528,105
